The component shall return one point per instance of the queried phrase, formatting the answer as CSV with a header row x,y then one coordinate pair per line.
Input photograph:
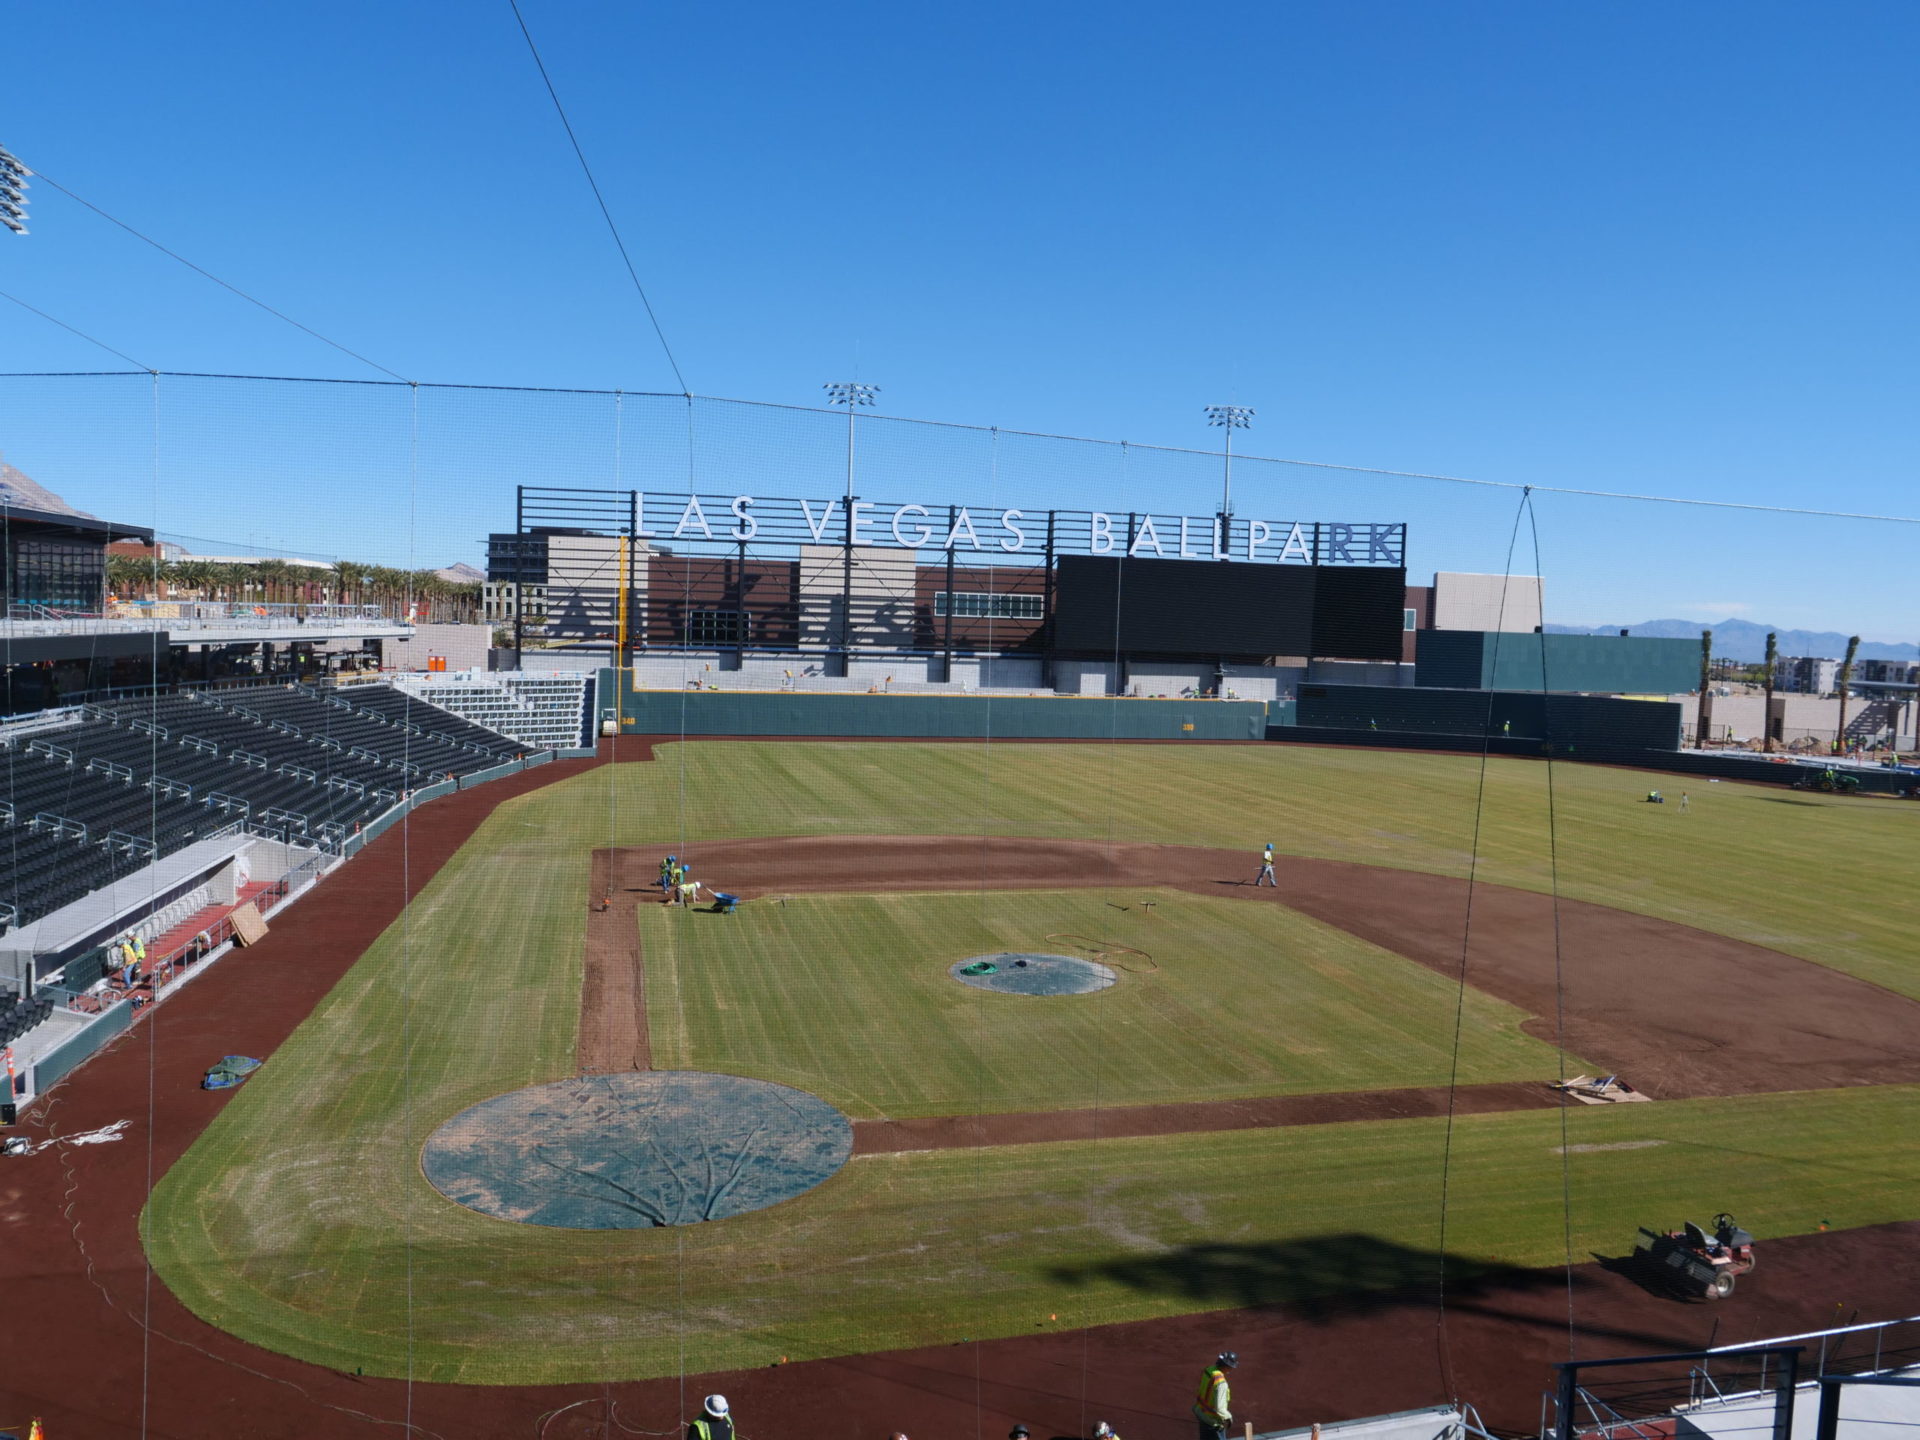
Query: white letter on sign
x,y
1257,535
918,540
962,521
1146,535
1100,534
1019,540
1185,553
748,526
693,514
1296,545
825,515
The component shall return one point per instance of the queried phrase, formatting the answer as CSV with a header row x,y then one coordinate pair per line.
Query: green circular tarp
x,y
1023,972
631,1151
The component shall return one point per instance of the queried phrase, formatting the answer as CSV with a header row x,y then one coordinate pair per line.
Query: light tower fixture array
x,y
13,196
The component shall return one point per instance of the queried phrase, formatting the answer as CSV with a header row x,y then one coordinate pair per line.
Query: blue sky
x,y
1641,247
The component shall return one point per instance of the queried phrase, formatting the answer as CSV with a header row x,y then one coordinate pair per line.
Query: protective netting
x,y
1306,1113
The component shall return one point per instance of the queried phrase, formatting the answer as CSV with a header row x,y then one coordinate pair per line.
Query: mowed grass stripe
x,y
923,1247
849,996
289,1221
1822,877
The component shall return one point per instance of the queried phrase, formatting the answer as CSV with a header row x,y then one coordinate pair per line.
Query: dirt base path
x,y
1674,1010
943,1132
613,987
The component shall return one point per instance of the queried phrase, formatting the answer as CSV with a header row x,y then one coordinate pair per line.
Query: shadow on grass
x,y
1323,1276
1332,1277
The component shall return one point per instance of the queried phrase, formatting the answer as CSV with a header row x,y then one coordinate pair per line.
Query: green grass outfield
x,y
1246,1000
1828,878
295,1217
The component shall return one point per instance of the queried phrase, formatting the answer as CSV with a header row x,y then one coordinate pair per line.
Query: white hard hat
x,y
1102,1430
716,1404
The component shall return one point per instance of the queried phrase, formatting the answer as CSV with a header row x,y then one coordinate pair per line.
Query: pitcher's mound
x,y
630,1151
1025,973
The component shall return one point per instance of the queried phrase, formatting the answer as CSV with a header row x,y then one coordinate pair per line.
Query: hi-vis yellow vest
x,y
1211,1403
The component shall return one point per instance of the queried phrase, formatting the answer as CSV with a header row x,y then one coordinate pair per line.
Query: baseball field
x,y
1024,1162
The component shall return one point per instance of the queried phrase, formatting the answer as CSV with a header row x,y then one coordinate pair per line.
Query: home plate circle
x,y
637,1150
1024,972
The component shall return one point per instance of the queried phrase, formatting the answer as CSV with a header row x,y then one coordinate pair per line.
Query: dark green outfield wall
x,y
1596,664
703,712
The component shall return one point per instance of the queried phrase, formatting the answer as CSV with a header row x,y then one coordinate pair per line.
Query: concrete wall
x,y
464,647
882,592
1813,718
1486,602
583,585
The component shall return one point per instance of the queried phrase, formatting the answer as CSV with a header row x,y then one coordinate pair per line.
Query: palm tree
x,y
1773,659
349,578
1846,683
130,576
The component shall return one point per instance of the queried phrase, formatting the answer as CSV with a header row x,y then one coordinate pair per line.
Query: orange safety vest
x,y
1212,1401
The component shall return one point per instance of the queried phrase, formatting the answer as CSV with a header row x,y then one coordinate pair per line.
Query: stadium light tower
x,y
1229,418
852,394
13,188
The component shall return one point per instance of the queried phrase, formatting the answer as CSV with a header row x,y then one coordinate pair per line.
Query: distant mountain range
x,y
1746,642
20,489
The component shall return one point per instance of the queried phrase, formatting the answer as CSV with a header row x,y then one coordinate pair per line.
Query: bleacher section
x,y
19,1016
91,801
549,712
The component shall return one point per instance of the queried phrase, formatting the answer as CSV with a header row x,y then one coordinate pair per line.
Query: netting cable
x,y
75,330
1442,1348
1559,956
1537,486
599,199
223,284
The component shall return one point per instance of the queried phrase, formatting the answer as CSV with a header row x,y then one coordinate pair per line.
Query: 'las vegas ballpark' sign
x,y
696,521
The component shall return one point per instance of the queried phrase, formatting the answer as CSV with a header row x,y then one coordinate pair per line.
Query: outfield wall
x,y
1708,764
1594,664
925,717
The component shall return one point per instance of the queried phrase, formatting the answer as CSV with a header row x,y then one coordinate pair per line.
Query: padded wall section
x,y
1565,721
856,717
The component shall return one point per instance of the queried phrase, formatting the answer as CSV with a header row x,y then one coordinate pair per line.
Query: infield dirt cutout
x,y
1678,1012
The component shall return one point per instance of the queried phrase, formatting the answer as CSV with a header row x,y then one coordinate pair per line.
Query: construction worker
x,y
1212,1406
689,888
667,878
713,1422
1266,868
1103,1431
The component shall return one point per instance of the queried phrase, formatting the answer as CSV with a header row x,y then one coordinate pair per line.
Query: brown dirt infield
x,y
1675,1011
613,989
943,1132
74,1287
